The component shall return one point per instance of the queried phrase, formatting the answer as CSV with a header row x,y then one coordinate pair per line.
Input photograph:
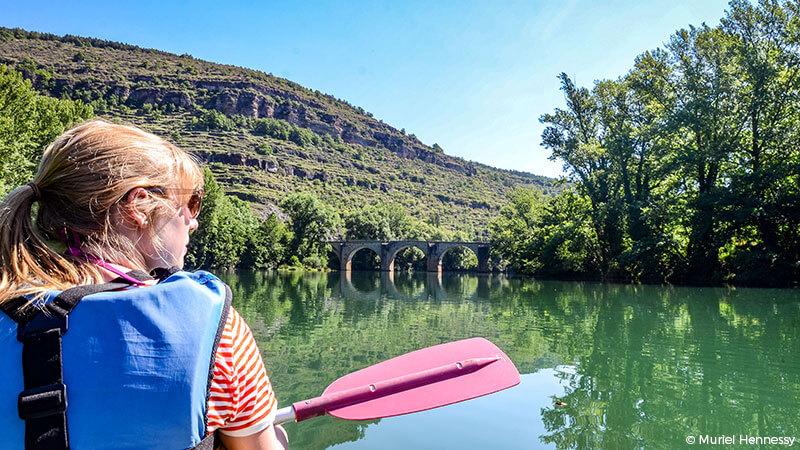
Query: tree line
x,y
685,169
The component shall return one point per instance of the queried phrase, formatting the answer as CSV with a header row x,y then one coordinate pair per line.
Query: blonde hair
x,y
82,178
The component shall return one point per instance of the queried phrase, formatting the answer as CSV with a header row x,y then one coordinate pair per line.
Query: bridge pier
x,y
434,259
483,258
387,261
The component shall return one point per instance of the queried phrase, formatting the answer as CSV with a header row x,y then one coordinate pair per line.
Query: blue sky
x,y
473,77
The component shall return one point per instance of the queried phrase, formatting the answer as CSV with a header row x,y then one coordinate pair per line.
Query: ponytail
x,y
29,265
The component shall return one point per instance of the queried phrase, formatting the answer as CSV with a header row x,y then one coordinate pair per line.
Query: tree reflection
x,y
668,363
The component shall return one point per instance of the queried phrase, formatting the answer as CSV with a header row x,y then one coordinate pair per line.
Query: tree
x,y
710,125
226,225
547,237
28,123
275,128
579,136
512,231
685,169
312,222
383,221
210,119
267,246
647,164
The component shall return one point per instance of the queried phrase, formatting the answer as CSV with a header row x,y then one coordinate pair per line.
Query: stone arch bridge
x,y
434,251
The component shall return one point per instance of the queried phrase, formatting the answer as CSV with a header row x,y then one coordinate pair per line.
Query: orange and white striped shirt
x,y
242,401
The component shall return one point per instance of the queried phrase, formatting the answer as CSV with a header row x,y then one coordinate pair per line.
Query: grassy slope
x,y
364,160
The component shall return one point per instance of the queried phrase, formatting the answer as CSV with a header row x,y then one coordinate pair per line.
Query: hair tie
x,y
37,194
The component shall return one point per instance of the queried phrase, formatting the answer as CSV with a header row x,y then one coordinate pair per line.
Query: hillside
x,y
263,135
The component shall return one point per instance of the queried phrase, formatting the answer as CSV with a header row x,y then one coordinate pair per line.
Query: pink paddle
x,y
423,379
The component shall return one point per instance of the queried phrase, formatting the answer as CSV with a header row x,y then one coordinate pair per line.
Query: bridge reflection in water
x,y
434,252
415,286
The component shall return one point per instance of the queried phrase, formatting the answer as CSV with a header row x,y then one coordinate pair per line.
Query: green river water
x,y
635,366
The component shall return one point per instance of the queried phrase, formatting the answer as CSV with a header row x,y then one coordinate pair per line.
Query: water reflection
x,y
634,366
408,286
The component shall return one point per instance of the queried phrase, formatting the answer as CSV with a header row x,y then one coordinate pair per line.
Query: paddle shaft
x,y
318,406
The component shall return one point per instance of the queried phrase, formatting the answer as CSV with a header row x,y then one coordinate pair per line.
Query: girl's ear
x,y
136,215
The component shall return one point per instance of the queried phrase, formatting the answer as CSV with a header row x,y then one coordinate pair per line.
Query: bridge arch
x,y
393,248
439,249
460,254
345,250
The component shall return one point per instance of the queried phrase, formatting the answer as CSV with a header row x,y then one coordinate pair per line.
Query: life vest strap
x,y
210,442
162,273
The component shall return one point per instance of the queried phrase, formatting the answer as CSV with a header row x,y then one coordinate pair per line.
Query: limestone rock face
x,y
239,159
153,95
178,98
225,103
121,91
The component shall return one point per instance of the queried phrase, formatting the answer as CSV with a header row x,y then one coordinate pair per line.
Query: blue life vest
x,y
137,365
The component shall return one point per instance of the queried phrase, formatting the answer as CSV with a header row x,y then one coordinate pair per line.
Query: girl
x,y
97,353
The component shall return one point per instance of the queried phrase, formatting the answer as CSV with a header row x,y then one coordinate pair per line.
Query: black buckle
x,y
41,324
42,401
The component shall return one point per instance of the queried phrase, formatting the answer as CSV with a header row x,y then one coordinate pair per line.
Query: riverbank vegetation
x,y
686,169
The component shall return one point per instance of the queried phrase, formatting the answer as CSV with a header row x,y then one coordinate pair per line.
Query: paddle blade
x,y
496,372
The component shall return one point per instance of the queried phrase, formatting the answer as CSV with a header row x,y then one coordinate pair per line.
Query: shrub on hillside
x,y
210,119
274,128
